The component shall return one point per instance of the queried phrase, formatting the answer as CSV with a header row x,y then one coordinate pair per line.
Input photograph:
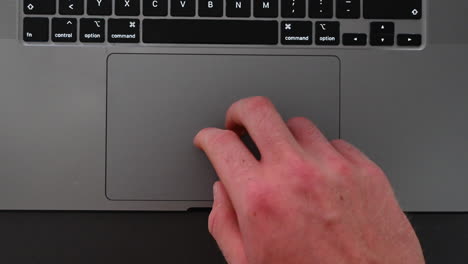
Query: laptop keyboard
x,y
354,23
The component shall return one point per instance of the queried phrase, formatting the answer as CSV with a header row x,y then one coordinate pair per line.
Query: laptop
x,y
100,99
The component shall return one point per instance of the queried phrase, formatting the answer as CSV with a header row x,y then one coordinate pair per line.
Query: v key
x,y
183,8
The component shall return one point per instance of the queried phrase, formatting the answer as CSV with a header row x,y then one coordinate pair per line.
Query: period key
x,y
321,8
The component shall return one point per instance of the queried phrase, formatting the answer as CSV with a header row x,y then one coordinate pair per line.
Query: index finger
x,y
264,124
229,156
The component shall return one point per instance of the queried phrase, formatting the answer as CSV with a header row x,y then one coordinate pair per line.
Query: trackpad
x,y
157,103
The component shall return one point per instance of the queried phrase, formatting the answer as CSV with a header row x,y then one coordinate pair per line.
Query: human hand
x,y
307,200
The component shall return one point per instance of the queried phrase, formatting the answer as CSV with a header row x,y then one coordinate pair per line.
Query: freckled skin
x,y
308,200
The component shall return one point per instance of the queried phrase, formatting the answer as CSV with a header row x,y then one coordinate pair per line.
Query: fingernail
x,y
215,190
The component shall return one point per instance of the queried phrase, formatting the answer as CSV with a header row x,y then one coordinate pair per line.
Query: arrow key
x,y
71,7
382,40
64,30
409,40
351,39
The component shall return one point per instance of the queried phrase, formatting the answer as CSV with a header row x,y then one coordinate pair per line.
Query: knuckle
x,y
258,103
297,165
343,168
222,137
259,199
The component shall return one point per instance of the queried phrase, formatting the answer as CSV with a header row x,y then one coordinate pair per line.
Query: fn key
x,y
36,29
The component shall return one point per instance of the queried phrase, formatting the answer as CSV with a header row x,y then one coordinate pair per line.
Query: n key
x,y
39,7
238,8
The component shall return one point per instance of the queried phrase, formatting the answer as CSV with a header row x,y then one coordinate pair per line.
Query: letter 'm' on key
x,y
266,4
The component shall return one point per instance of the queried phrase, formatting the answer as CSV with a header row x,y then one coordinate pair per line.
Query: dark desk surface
x,y
164,238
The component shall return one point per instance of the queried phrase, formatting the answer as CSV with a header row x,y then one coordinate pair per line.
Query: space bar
x,y
191,31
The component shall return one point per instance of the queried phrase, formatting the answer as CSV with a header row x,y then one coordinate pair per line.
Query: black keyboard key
x,y
210,8
99,7
183,8
127,7
352,39
123,31
348,8
321,8
293,8
327,33
409,40
39,7
380,28
35,29
64,29
238,8
190,31
266,8
71,7
392,9
382,34
155,7
296,33
382,40
92,30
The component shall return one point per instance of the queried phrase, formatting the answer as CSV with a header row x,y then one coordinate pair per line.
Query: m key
x,y
266,8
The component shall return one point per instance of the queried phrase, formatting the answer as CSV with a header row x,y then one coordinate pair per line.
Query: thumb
x,y
223,226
